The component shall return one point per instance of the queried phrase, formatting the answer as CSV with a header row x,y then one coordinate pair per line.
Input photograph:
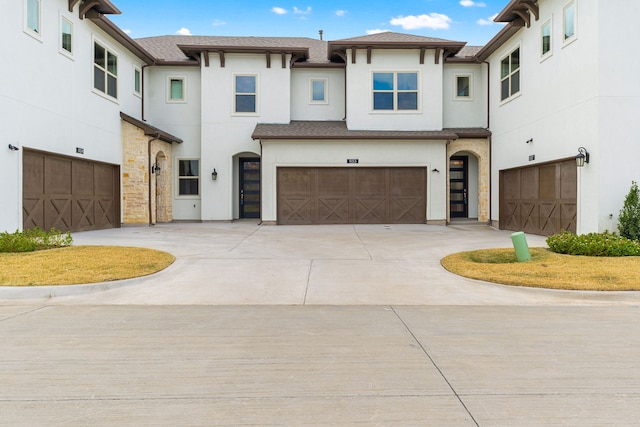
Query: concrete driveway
x,y
244,263
320,326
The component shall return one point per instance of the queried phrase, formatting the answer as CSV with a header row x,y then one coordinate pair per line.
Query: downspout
x,y
490,221
261,181
142,88
151,223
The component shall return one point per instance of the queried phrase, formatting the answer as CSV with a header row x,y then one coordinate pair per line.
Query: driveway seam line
x,y
435,365
362,243
306,289
24,313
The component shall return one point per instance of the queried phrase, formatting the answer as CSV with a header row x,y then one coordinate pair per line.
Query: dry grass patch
x,y
80,264
547,270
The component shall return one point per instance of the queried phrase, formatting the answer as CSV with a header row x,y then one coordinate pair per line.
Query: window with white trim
x,y
395,91
545,39
463,87
318,91
33,16
105,70
188,177
137,80
510,75
245,88
176,87
66,36
569,22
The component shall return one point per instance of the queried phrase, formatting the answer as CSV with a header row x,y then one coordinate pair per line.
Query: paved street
x,y
392,340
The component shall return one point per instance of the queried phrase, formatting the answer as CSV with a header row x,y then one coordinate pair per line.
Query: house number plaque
x,y
352,160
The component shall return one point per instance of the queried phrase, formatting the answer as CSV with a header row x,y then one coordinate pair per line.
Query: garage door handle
x,y
241,197
465,196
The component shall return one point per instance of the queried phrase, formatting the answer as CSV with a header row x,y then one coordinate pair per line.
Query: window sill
x,y
569,41
511,98
34,35
105,96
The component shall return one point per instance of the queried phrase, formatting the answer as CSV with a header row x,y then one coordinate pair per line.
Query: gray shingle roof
x,y
338,130
166,48
391,37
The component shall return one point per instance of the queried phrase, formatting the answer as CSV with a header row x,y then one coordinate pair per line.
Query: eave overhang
x,y
519,10
499,39
120,36
337,131
340,47
151,131
194,51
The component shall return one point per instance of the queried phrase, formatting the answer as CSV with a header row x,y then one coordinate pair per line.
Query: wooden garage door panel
x,y
351,195
539,199
408,203
57,172
69,194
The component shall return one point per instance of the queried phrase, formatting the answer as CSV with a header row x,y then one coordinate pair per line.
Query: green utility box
x,y
520,245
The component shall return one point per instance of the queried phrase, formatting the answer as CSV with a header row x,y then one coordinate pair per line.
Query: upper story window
x,y
463,87
395,91
32,15
188,177
66,36
105,70
246,94
510,75
137,80
545,39
569,22
318,91
176,89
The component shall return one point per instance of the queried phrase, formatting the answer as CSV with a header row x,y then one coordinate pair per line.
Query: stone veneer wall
x,y
135,178
480,148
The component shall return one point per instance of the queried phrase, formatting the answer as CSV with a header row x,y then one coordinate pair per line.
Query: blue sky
x,y
470,21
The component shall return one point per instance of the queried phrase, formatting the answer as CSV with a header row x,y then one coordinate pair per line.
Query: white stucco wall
x,y
50,104
301,106
225,134
360,114
180,118
618,107
557,106
459,112
370,154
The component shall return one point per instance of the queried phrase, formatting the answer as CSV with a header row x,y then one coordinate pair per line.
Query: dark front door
x,y
250,188
458,177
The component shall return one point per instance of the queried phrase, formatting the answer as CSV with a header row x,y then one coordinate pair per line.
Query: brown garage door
x,y
69,194
351,195
539,199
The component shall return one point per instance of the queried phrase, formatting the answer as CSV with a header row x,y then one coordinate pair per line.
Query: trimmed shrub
x,y
33,240
629,220
593,244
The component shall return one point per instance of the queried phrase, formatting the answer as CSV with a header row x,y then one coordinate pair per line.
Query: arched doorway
x,y
468,179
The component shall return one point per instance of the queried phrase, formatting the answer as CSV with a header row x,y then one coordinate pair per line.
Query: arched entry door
x,y
459,186
249,187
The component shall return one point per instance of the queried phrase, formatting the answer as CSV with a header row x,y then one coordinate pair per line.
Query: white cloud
x,y
184,31
471,3
306,11
127,32
376,31
435,21
488,21
218,23
341,12
278,10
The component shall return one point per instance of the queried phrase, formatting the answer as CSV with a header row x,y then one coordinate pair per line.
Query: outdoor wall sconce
x,y
582,157
214,175
155,168
434,170
13,147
